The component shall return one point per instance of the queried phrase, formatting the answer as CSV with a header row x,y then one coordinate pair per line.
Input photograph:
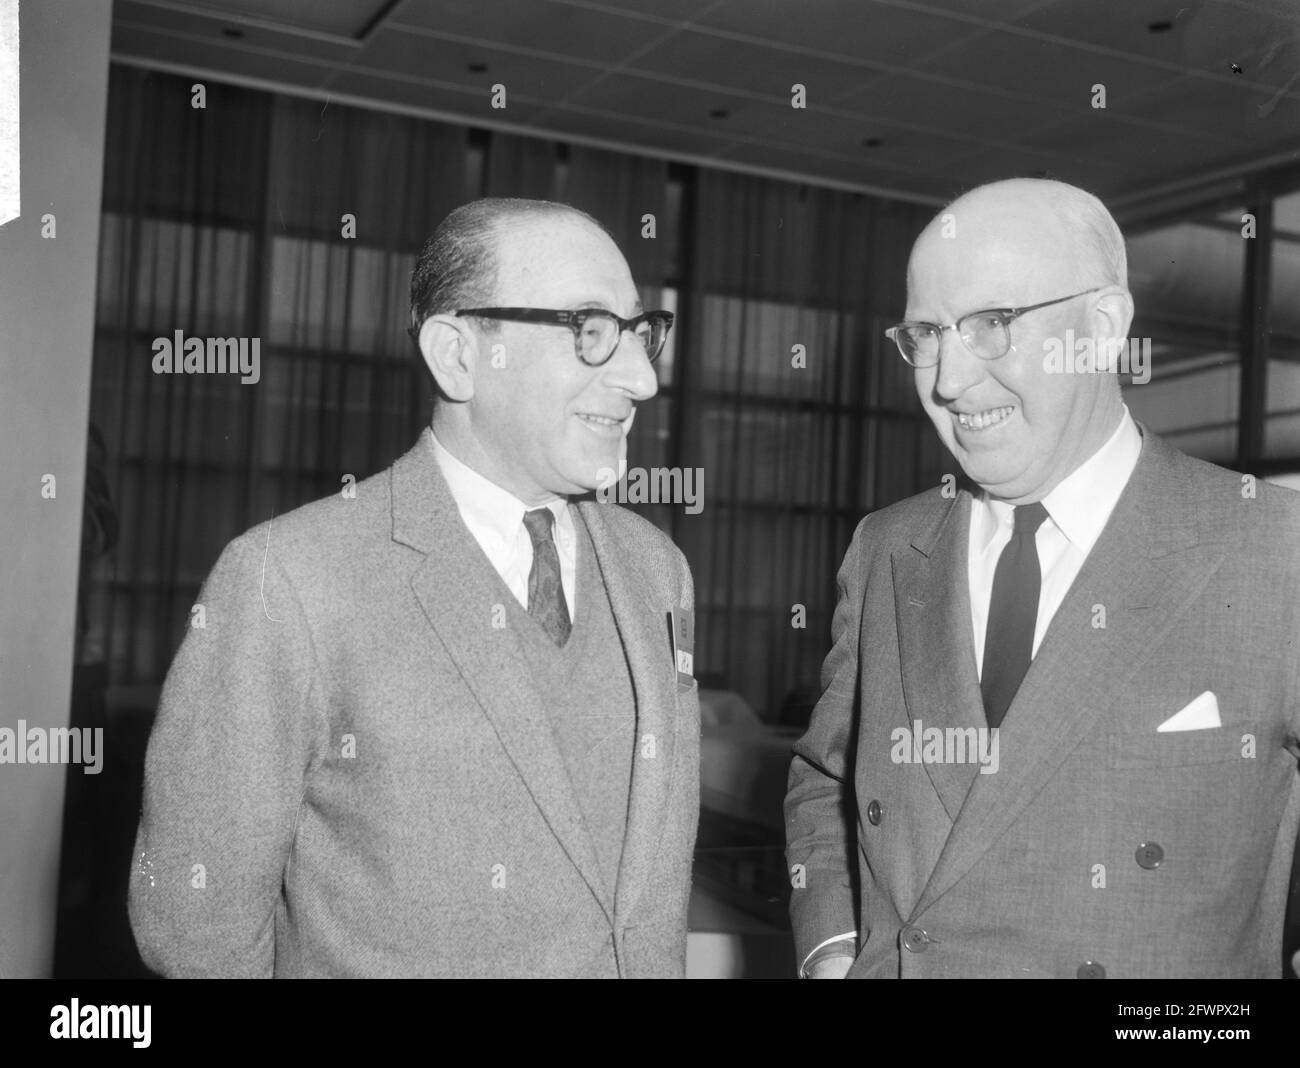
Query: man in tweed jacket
x,y
438,728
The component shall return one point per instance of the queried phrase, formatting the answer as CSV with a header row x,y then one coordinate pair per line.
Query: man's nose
x,y
958,368
630,370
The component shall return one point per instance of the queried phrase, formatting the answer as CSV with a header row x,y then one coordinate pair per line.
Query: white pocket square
x,y
1201,714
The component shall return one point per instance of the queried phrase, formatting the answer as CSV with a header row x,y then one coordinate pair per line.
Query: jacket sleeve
x,y
225,773
819,804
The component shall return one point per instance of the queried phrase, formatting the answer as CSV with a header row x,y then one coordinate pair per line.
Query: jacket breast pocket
x,y
1233,742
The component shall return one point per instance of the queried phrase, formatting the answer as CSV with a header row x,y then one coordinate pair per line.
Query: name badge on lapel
x,y
681,629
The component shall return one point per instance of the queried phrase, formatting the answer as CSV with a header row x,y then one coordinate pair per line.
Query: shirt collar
x,y
485,506
1081,503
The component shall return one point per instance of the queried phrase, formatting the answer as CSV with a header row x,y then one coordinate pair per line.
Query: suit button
x,y
916,939
875,813
1149,855
1090,969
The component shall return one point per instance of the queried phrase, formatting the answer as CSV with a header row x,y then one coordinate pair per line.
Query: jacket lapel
x,y
1144,570
644,633
455,588
936,649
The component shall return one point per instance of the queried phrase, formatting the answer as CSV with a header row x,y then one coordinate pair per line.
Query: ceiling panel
x,y
449,98
344,17
219,30
685,106
1121,25
1203,35
1083,168
169,50
1153,153
930,104
663,11
818,135
581,32
954,91
755,68
848,171
642,138
1216,111
989,11
527,76
869,33
1038,70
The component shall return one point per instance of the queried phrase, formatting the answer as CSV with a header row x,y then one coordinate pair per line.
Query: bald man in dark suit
x,y
1058,736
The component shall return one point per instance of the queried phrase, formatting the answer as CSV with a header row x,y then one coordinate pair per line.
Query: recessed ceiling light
x,y
1160,26
719,113
230,31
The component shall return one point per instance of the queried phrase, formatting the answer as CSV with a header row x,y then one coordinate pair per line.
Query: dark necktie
x,y
546,602
1013,611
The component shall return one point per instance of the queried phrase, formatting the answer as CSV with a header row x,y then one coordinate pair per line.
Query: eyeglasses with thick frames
x,y
985,333
596,332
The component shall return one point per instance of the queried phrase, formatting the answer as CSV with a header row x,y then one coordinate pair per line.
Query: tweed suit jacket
x,y
352,774
1101,847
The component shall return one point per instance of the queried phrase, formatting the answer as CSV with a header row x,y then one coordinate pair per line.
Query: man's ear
x,y
1112,315
451,352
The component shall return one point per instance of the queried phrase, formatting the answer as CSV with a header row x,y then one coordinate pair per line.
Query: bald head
x,y
1018,423
1067,225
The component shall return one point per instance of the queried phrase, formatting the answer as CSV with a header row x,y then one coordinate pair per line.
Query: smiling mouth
x,y
984,420
606,424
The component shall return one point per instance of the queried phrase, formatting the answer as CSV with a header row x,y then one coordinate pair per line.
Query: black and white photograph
x,y
651,489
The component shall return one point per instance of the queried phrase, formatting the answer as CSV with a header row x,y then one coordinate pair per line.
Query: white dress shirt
x,y
1077,510
496,519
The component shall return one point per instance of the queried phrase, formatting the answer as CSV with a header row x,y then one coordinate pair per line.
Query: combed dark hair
x,y
457,267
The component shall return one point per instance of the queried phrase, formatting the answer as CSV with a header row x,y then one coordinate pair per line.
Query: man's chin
x,y
592,478
598,468
1003,485
994,477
